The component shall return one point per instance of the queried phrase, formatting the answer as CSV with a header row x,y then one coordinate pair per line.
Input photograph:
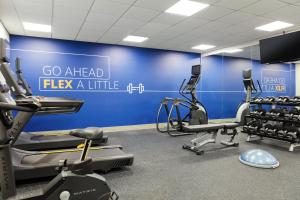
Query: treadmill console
x,y
4,50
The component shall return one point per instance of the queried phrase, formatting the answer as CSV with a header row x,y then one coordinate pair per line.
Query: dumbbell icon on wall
x,y
140,88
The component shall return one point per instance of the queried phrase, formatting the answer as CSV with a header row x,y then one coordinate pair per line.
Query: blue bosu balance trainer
x,y
259,158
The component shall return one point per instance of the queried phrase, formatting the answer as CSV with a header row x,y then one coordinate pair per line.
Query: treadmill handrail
x,y
21,79
8,106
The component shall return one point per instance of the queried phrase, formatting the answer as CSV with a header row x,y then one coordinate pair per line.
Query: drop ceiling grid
x,y
108,21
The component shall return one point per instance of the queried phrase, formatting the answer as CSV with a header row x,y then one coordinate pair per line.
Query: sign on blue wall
x,y
120,85
222,90
124,85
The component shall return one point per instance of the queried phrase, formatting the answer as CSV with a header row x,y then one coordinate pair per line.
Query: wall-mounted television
x,y
283,48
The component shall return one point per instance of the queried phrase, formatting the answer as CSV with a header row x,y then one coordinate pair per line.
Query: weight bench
x,y
213,130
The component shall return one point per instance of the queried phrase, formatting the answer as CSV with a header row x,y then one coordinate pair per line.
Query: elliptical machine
x,y
76,181
197,113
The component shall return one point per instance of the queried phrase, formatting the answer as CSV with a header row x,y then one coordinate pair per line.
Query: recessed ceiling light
x,y
203,47
274,26
37,27
133,38
186,7
232,50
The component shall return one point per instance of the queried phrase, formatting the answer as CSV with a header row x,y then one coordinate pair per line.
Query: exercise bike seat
x,y
89,133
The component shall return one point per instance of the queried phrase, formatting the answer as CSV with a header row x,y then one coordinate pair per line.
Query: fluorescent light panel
x,y
232,50
203,47
133,38
186,7
37,27
274,26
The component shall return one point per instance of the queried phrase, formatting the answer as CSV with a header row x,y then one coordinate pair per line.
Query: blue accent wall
x,y
100,75
106,103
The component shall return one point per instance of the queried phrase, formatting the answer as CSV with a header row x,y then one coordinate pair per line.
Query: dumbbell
x,y
295,99
269,129
258,112
257,100
269,99
294,114
273,113
252,126
278,112
293,133
282,131
140,88
283,99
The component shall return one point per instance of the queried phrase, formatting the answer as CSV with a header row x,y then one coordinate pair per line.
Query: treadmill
x,y
38,164
38,141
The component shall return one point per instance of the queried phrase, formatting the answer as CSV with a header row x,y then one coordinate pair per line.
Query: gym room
x,y
149,99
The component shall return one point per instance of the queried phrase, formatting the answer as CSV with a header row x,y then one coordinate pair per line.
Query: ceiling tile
x,y
65,13
288,13
235,18
69,29
209,28
208,1
111,20
141,14
128,23
101,19
255,21
156,4
36,17
109,7
38,34
150,29
64,35
186,25
77,4
263,6
213,13
111,39
290,1
235,4
34,11
9,18
66,24
168,19
94,27
89,35
117,32
124,1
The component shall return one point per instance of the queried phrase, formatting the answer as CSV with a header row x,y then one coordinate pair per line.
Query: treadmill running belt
x,y
33,141
29,165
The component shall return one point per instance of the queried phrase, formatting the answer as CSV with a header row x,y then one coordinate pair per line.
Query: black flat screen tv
x,y
283,48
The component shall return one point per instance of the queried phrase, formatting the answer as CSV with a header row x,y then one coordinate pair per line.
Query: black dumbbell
x,y
258,112
283,99
269,99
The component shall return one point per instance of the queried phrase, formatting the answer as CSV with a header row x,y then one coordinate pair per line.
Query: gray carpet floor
x,y
162,170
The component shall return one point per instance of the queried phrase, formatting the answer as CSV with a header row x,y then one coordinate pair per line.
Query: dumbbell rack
x,y
295,142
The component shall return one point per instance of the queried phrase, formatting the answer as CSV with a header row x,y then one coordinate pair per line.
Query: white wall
x,y
3,32
297,79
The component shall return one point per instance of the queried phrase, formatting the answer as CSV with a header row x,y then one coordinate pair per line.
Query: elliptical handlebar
x,y
258,93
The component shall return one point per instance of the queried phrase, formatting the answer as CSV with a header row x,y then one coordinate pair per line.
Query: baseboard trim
x,y
130,127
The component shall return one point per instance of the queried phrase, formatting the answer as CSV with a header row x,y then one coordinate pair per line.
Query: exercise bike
x,y
197,113
76,181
